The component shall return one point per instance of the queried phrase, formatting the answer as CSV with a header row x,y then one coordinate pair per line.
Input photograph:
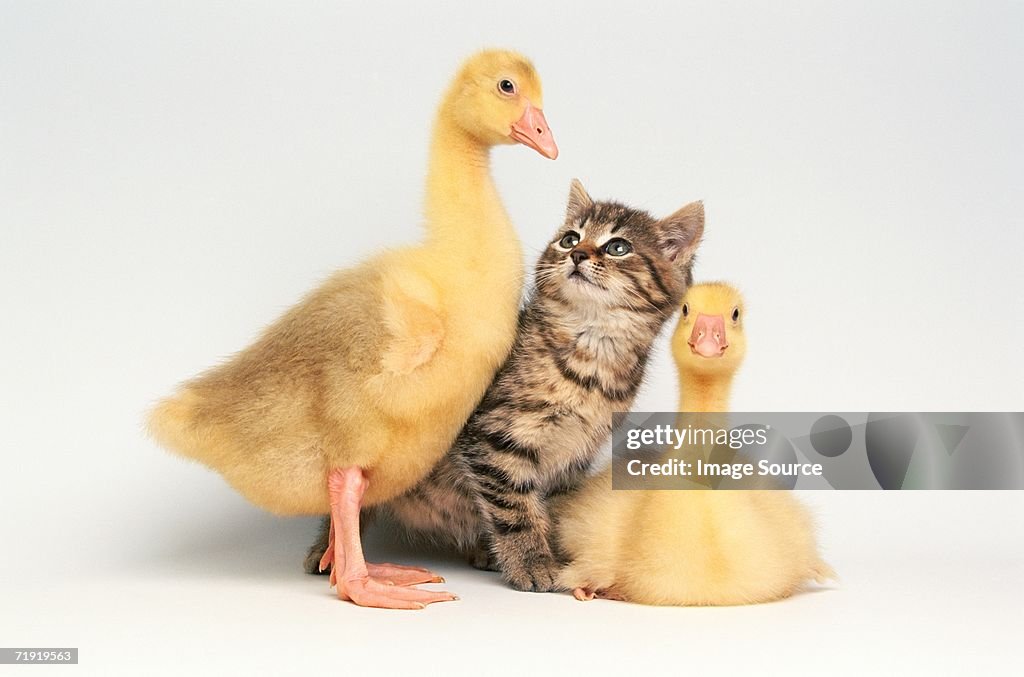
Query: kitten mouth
x,y
577,274
580,278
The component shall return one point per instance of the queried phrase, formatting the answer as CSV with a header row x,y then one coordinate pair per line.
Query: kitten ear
x,y
579,201
681,232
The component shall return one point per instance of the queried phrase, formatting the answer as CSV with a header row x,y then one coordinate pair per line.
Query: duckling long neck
x,y
704,392
472,255
465,216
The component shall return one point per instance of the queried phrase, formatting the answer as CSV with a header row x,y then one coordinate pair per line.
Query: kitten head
x,y
614,256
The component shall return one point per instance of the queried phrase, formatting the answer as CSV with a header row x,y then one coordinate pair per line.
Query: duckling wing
x,y
413,323
416,335
369,320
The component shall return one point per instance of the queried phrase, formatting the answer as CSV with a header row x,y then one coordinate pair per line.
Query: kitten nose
x,y
579,256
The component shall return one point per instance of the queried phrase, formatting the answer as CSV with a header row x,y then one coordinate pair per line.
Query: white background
x,y
174,175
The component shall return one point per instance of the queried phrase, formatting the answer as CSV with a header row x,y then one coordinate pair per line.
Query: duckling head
x,y
496,99
709,339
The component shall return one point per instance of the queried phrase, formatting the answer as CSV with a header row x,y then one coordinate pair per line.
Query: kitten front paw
x,y
536,575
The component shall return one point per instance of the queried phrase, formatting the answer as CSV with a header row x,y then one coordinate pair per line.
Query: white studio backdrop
x,y
174,175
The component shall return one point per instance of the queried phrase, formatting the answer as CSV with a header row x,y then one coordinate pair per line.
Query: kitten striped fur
x,y
604,289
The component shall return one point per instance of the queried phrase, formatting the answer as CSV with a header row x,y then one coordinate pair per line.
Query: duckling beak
x,y
708,336
532,130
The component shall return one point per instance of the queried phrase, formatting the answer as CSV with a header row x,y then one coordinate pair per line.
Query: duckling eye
x,y
506,86
569,240
735,314
618,247
686,310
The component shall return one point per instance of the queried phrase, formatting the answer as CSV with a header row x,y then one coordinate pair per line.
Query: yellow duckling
x,y
353,395
691,547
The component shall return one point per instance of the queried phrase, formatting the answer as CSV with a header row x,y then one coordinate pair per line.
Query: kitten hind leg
x,y
480,557
314,558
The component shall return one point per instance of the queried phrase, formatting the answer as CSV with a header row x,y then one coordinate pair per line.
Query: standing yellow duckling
x,y
691,547
353,395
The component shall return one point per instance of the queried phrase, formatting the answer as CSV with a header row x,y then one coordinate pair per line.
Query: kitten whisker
x,y
665,315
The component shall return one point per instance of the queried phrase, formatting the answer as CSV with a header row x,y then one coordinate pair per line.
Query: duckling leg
x,y
392,574
350,572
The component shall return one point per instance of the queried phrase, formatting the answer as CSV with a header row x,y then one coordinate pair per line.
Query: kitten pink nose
x,y
578,256
708,336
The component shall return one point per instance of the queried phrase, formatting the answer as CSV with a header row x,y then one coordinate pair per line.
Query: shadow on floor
x,y
248,543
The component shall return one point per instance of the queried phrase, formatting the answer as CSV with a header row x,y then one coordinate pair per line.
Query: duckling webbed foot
x,y
396,574
390,574
375,585
584,594
587,594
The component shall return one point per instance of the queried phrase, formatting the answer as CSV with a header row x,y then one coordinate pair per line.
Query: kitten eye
x,y
506,86
569,240
686,310
618,247
735,314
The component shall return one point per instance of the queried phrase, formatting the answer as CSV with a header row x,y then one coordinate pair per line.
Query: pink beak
x,y
532,130
708,336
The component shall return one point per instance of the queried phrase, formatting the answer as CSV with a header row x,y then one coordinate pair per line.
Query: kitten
x,y
604,288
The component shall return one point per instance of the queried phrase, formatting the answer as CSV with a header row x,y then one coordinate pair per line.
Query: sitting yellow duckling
x,y
691,547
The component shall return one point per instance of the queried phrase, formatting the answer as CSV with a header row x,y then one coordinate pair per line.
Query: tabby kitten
x,y
604,288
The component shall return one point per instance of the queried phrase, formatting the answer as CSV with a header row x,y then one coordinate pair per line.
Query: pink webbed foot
x,y
396,574
583,594
587,594
385,586
366,591
389,574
